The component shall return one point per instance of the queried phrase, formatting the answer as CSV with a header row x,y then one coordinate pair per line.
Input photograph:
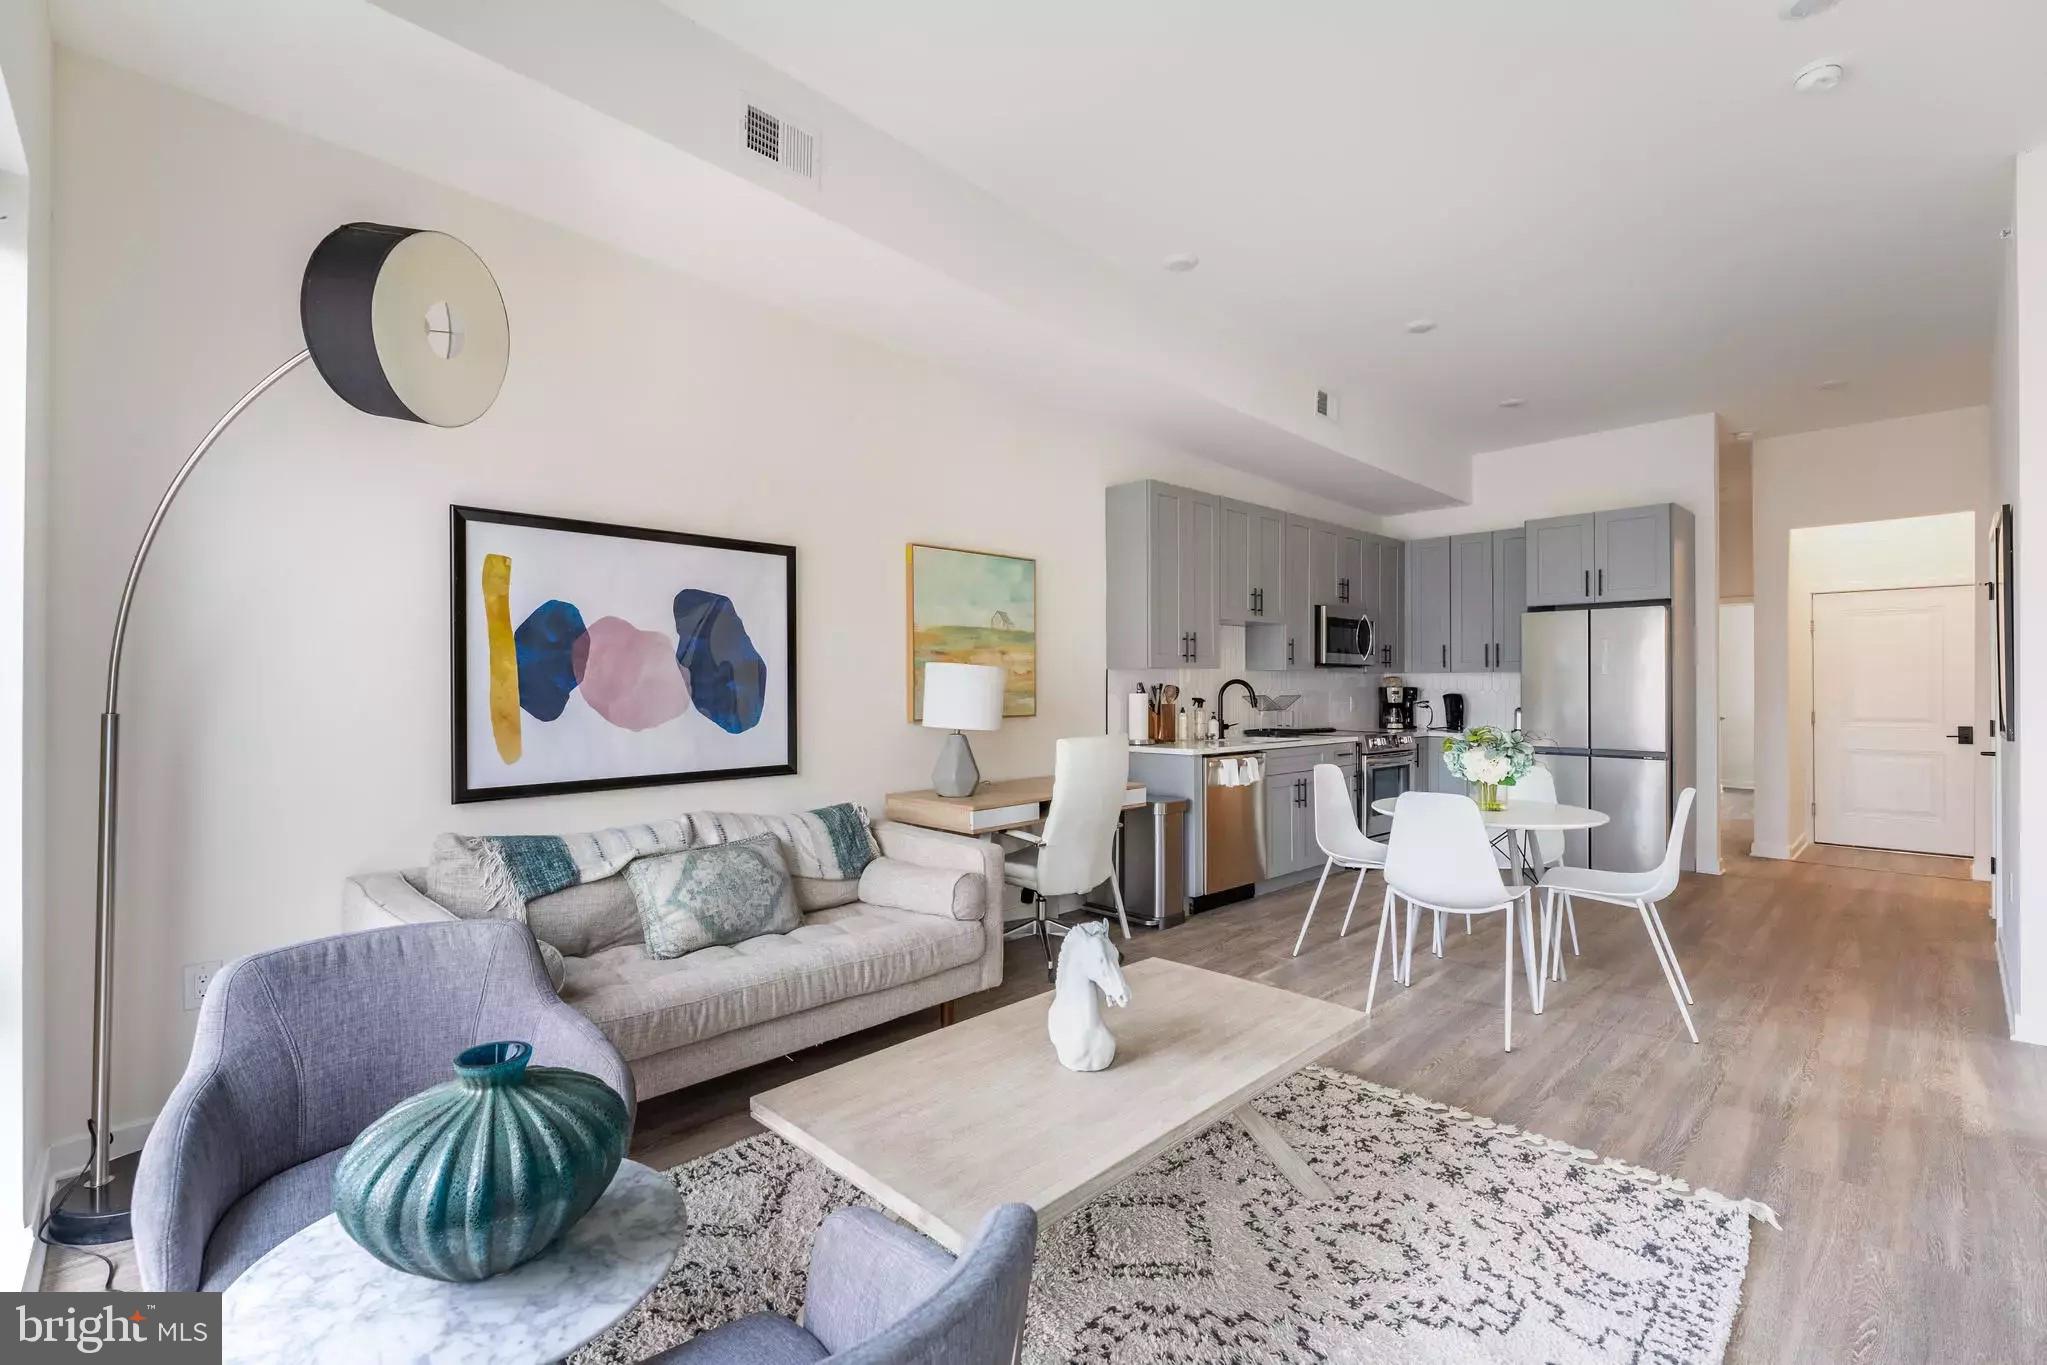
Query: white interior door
x,y
1738,694
1893,678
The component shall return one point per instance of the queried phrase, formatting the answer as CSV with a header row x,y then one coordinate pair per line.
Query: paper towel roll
x,y
1140,718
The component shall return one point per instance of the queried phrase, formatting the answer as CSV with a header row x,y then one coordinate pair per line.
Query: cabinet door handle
x,y
1588,582
1289,649
1602,582
1193,644
1446,656
1485,654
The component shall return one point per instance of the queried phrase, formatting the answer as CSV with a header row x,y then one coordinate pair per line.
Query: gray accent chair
x,y
301,1048
881,1294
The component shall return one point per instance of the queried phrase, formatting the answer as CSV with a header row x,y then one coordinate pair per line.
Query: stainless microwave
x,y
1342,641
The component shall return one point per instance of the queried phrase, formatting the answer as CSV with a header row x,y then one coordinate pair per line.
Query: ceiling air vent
x,y
1325,404
788,146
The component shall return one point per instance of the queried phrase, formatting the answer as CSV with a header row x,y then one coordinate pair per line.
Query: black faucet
x,y
1223,727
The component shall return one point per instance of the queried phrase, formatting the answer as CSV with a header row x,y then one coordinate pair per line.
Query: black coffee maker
x,y
1396,706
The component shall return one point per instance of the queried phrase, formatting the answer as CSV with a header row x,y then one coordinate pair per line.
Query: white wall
x,y
25,174
1909,467
2021,480
1737,693
286,695
1671,461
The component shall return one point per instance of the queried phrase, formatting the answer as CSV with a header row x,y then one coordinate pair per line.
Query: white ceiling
x,y
1614,209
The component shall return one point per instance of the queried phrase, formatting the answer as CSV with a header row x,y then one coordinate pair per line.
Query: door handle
x,y
1602,582
1193,644
1289,649
1588,582
1963,734
1446,656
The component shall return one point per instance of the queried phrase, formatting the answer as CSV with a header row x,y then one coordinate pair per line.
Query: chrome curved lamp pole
x,y
101,1173
365,286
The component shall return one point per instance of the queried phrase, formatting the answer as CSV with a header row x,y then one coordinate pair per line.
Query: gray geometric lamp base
x,y
956,773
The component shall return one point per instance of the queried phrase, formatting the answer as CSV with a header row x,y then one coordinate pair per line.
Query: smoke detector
x,y
773,138
1818,77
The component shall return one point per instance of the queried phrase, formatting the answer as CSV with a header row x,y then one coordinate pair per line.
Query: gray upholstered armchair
x,y
301,1048
881,1294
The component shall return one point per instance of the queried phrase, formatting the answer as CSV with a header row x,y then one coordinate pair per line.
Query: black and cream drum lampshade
x,y
405,323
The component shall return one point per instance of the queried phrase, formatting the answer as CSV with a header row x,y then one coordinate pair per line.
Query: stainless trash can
x,y
1151,863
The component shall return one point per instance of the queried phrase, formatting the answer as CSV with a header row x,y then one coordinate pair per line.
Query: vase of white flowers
x,y
1489,759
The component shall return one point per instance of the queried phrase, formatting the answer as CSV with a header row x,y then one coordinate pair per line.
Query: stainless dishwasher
x,y
1233,828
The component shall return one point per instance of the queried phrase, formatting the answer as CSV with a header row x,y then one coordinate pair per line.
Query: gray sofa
x,y
926,930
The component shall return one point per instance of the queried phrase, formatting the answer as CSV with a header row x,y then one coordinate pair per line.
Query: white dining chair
x,y
1439,859
1342,843
1073,852
1637,891
1536,785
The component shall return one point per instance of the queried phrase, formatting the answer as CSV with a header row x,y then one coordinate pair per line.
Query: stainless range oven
x,y
1388,767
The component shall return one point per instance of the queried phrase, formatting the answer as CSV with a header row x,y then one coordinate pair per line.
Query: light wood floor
x,y
1852,1073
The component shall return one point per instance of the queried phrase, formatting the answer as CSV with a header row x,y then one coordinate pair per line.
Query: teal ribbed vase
x,y
468,1179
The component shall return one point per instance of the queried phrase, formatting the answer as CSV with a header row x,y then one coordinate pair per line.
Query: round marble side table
x,y
317,1298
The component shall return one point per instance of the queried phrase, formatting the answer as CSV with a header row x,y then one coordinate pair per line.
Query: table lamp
x,y
401,323
960,697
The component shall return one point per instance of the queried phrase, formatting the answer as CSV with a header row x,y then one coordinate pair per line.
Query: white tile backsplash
x,y
1335,697
1489,698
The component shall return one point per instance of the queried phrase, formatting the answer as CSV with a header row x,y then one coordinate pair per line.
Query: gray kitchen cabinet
x,y
1353,578
1634,554
1471,602
1510,596
1285,812
1163,547
1390,615
1562,553
1253,550
1435,770
1236,597
1428,605
1615,556
1276,644
1322,580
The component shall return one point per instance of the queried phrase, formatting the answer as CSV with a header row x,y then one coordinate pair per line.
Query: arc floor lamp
x,y
401,323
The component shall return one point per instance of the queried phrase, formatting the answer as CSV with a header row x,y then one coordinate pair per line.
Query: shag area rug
x,y
1452,1238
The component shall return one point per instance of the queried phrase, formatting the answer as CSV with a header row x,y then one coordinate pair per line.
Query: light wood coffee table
x,y
948,1125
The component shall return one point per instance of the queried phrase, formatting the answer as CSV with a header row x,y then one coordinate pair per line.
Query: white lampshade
x,y
962,696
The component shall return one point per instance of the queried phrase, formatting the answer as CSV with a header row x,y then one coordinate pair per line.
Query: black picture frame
x,y
460,518
2004,619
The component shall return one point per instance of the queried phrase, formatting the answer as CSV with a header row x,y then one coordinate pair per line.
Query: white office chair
x,y
1637,891
1342,843
1073,852
1440,859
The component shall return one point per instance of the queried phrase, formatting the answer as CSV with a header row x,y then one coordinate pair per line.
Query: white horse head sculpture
x,y
1090,969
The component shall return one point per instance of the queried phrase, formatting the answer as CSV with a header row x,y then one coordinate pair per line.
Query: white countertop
x,y
1250,746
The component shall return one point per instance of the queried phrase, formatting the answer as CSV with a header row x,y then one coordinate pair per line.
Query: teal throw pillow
x,y
718,893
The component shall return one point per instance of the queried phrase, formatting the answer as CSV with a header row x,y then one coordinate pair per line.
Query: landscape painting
x,y
966,607
589,656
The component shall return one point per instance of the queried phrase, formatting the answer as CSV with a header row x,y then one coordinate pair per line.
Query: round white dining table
x,y
1521,820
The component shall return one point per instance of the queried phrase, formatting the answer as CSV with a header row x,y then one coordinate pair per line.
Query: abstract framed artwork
x,y
588,656
970,607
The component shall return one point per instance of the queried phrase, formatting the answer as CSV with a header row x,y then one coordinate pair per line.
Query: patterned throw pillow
x,y
720,893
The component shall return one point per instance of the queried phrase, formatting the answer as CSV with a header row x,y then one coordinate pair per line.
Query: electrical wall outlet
x,y
198,976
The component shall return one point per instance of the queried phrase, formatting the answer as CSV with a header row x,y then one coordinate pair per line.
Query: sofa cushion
x,y
295,1197
586,918
900,885
647,1005
701,897
827,848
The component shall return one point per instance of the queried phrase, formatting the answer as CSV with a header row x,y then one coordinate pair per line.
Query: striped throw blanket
x,y
495,875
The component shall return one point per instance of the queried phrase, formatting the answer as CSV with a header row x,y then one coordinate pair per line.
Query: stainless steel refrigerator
x,y
1596,697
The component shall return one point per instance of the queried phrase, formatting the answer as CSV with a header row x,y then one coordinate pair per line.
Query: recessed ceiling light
x,y
1794,10
1831,384
1513,402
1180,262
1420,325
1817,77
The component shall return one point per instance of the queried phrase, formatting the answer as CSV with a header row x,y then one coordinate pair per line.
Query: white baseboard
x,y
1759,849
67,1155
1798,847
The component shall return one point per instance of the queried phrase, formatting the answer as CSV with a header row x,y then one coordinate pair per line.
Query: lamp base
x,y
956,773
93,1217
